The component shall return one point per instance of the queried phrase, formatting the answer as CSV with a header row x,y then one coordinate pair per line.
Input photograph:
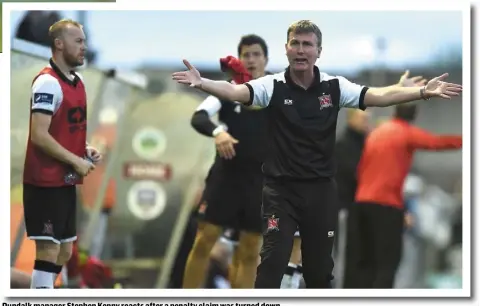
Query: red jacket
x,y
387,157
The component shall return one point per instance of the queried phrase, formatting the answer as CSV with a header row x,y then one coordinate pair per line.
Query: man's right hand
x,y
83,166
224,143
191,77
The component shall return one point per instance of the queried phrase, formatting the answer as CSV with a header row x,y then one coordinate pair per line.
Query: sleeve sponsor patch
x,y
43,98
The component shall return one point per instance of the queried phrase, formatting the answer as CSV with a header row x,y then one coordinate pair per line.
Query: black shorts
x,y
233,197
50,213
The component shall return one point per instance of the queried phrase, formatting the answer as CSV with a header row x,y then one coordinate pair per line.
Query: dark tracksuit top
x,y
302,123
299,188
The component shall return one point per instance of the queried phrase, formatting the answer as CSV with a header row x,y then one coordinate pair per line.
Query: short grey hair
x,y
303,27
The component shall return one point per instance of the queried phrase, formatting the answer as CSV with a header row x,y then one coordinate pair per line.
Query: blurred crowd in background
x,y
135,204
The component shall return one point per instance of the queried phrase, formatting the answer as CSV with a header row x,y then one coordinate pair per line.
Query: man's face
x,y
254,60
73,46
302,51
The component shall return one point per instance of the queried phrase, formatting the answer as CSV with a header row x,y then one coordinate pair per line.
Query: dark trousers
x,y
310,205
176,276
374,245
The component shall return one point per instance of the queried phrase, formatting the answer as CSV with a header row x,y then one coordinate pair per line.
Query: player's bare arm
x,y
221,89
392,95
41,137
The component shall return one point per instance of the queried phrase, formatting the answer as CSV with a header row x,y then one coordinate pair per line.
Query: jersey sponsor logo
x,y
331,234
43,98
325,101
77,115
77,119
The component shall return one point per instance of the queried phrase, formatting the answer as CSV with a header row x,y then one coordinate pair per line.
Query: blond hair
x,y
56,29
304,27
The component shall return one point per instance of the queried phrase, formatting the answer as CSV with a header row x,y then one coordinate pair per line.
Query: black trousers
x,y
310,205
178,269
374,245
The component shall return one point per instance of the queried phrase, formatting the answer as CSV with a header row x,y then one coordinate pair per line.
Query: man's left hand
x,y
94,154
407,81
436,87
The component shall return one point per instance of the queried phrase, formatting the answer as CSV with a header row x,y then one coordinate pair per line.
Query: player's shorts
x,y
233,197
50,213
297,234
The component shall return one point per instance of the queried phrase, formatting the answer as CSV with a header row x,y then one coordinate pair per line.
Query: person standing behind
x,y
349,146
377,219
56,147
348,151
233,191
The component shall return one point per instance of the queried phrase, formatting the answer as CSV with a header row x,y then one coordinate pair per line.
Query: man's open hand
x,y
407,81
436,87
190,77
225,145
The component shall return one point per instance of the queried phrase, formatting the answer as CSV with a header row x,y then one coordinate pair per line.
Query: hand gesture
x,y
224,143
416,81
83,166
190,77
436,87
93,154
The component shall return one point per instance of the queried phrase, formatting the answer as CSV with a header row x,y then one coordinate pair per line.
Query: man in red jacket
x,y
376,220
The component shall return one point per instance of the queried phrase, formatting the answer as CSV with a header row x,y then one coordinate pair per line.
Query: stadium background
x,y
143,118
32,1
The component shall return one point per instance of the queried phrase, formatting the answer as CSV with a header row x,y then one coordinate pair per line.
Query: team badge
x,y
48,228
325,101
272,224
